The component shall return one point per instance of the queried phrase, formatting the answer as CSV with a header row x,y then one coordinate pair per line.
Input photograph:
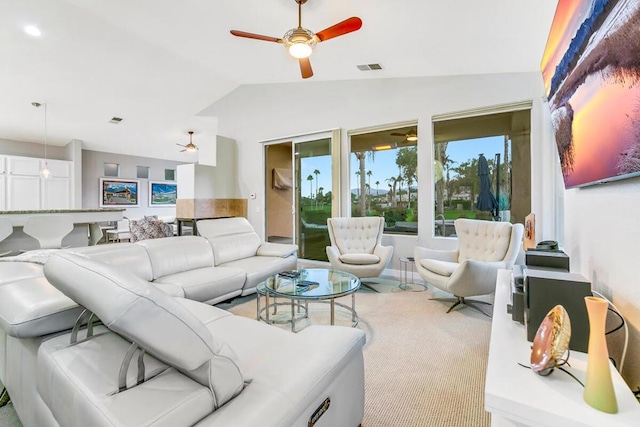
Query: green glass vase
x,y
598,389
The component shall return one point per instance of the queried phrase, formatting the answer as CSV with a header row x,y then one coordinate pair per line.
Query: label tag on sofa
x,y
319,412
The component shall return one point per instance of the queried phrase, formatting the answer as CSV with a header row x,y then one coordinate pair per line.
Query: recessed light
x,y
32,30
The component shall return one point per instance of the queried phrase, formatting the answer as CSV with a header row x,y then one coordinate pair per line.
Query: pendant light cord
x,y
45,133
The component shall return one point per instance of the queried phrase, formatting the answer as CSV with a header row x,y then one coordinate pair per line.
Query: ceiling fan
x,y
190,147
301,41
410,136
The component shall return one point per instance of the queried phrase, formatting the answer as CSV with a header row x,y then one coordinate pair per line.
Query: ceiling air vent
x,y
115,120
369,67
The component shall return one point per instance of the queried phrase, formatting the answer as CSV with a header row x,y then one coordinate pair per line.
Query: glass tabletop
x,y
312,283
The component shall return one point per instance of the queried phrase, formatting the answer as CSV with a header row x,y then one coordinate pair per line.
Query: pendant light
x,y
45,172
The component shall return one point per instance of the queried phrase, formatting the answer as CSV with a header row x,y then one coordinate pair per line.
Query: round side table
x,y
407,264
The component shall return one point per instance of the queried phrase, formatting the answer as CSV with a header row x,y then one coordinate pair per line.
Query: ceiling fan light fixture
x,y
412,138
300,42
300,50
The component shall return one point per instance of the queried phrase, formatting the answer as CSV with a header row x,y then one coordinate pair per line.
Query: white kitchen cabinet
x,y
56,193
23,166
58,168
3,192
23,192
22,187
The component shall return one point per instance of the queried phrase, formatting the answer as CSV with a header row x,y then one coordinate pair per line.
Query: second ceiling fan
x,y
301,41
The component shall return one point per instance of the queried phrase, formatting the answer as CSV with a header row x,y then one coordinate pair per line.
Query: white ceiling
x,y
158,63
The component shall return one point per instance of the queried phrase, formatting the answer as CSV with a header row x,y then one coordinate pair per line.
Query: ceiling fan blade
x,y
182,151
348,25
398,134
305,68
256,36
179,144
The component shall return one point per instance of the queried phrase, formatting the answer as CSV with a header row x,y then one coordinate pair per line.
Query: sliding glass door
x,y
301,184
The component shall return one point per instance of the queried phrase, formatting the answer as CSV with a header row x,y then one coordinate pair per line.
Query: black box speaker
x,y
546,288
548,259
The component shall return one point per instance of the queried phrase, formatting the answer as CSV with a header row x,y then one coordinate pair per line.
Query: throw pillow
x,y
146,229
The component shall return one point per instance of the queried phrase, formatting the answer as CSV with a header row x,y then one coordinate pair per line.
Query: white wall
x,y
32,149
584,221
93,169
602,236
256,113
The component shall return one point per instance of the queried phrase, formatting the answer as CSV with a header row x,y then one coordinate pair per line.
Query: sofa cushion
x,y
230,238
132,258
260,268
79,384
177,254
359,259
443,268
141,313
32,308
14,271
208,283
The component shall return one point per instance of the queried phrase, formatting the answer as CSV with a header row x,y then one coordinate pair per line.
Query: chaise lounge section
x,y
285,374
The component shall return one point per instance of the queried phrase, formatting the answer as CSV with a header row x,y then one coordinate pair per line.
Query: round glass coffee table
x,y
310,285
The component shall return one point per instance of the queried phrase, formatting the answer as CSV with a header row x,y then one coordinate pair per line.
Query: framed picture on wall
x,y
119,193
162,193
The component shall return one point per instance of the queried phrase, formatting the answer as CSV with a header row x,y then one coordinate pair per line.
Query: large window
x,y
383,177
481,168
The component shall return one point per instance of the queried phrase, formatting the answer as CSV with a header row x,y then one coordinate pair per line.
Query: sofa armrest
x,y
282,250
384,253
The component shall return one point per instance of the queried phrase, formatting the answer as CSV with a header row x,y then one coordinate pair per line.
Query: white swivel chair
x,y
6,229
356,246
48,230
472,269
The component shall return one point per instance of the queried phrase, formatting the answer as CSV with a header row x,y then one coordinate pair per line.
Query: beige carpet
x,y
8,416
423,367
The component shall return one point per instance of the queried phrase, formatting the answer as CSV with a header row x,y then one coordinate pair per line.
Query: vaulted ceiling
x,y
158,63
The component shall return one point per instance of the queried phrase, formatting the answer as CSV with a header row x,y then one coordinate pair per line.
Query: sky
x,y
384,165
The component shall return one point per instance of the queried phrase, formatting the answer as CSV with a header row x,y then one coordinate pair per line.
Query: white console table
x,y
516,396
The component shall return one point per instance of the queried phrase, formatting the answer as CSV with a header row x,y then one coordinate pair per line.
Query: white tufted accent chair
x,y
356,246
483,248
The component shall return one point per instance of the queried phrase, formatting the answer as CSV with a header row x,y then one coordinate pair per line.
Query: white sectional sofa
x,y
204,366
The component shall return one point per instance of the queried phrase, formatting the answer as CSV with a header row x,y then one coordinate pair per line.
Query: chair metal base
x,y
368,286
463,301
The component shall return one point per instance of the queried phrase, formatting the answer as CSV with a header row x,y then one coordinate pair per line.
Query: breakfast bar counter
x,y
19,241
80,216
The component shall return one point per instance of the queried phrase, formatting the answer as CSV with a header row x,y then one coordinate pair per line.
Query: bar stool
x,y
48,230
5,231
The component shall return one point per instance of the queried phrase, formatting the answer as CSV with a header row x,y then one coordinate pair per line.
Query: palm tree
x,y
316,173
393,185
310,179
361,155
321,196
357,189
368,192
377,189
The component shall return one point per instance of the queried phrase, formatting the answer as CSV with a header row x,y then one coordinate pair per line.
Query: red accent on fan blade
x,y
305,68
348,25
256,36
